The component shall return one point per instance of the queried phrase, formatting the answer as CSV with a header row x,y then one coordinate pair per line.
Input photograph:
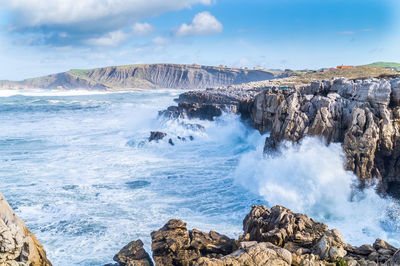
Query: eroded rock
x,y
133,254
174,245
18,245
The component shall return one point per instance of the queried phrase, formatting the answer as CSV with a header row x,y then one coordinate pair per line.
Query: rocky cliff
x,y
363,115
18,245
152,76
275,236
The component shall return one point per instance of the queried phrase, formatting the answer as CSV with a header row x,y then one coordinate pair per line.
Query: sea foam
x,y
310,178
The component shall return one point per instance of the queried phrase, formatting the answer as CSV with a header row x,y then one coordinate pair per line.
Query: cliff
x,y
275,236
151,76
362,115
18,245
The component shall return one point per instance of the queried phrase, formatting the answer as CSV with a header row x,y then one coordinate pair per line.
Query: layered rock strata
x,y
146,76
18,245
275,236
362,115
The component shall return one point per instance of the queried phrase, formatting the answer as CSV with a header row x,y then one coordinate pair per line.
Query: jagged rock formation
x,y
133,254
18,245
363,115
275,236
152,76
174,245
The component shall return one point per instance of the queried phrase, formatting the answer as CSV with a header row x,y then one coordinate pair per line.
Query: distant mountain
x,y
393,65
146,76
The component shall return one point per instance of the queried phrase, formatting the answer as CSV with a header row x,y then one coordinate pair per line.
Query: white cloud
x,y
160,41
89,13
202,24
110,39
142,29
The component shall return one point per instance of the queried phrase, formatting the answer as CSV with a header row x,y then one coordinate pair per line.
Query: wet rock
x,y
208,104
18,245
362,115
156,135
133,254
251,253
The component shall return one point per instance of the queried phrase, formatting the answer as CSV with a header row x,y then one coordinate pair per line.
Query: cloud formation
x,y
87,19
142,29
202,24
110,39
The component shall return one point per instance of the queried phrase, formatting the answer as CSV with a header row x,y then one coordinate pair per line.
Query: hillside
x,y
304,78
146,76
393,65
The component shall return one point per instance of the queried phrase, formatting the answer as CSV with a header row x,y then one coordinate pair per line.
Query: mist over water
x,y
309,178
77,168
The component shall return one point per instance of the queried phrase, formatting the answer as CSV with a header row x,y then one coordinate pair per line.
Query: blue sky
x,y
39,37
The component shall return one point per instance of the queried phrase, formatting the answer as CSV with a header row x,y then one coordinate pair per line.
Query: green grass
x,y
387,64
79,72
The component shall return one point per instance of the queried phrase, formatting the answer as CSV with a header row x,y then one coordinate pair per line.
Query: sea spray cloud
x,y
309,177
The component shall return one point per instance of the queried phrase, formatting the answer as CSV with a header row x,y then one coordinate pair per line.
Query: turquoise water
x,y
76,167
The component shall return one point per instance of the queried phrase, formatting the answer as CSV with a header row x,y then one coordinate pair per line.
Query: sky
x,y
40,37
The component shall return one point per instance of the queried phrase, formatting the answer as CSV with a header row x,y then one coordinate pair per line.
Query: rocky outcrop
x,y
363,115
133,254
275,236
173,244
146,76
211,103
18,245
251,253
156,136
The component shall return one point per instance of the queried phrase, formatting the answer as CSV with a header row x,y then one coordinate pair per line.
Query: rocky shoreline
x,y
275,236
362,115
18,245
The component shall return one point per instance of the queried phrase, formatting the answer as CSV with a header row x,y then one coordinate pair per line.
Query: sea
x,y
78,168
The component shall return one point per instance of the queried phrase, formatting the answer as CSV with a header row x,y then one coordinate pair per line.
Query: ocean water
x,y
77,168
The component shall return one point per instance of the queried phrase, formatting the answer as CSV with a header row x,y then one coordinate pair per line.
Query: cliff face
x,y
152,76
363,115
18,245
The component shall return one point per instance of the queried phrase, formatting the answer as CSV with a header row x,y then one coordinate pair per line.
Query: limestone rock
x,y
362,115
174,245
18,245
280,226
251,253
330,246
133,254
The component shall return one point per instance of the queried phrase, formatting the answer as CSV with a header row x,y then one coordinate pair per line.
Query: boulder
x,y
331,246
18,245
156,136
133,254
280,226
174,245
